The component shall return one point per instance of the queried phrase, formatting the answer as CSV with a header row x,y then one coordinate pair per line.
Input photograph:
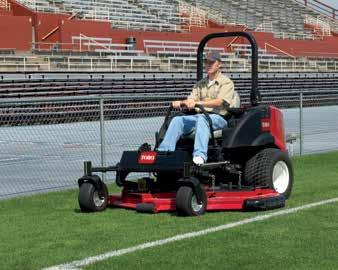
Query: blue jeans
x,y
181,125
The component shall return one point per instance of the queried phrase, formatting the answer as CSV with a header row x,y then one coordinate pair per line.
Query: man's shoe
x,y
198,160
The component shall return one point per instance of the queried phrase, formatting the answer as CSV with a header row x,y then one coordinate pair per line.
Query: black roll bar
x,y
255,96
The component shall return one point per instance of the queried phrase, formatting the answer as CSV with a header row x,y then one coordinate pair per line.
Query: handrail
x,y
211,14
321,7
36,45
234,39
147,26
263,27
92,40
278,49
197,16
93,63
304,36
317,22
57,27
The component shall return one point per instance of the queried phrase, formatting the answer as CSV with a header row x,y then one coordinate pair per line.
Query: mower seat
x,y
218,132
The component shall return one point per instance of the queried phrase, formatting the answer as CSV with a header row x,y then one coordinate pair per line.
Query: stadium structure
x,y
105,35
148,48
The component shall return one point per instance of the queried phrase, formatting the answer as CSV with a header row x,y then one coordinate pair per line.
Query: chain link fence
x,y
45,141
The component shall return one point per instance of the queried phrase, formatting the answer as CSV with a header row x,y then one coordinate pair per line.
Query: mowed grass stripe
x,y
46,230
180,237
301,241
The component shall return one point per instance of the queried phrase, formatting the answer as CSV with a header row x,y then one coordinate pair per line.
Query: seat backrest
x,y
237,100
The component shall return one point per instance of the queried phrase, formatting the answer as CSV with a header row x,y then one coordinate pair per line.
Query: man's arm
x,y
213,103
190,101
226,94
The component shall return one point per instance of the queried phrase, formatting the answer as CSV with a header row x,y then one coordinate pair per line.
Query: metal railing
x,y
321,8
196,16
212,14
265,26
296,36
275,48
40,5
145,26
152,63
317,22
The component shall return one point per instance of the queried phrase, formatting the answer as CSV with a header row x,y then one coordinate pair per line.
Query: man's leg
x,y
203,133
178,126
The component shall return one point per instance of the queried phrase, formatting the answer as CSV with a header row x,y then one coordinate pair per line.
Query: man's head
x,y
213,63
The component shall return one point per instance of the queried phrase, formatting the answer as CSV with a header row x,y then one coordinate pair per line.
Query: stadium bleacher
x,y
285,16
122,14
180,59
286,20
65,84
165,35
279,89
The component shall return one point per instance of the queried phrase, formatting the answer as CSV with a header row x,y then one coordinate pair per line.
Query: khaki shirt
x,y
223,88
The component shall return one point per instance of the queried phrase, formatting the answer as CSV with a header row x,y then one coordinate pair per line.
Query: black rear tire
x,y
186,202
91,199
270,168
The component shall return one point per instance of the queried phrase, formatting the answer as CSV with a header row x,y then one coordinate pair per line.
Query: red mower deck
x,y
216,200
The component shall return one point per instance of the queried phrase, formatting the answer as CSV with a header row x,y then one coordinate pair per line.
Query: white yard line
x,y
76,265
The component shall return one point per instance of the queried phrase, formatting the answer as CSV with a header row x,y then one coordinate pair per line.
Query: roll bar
x,y
255,96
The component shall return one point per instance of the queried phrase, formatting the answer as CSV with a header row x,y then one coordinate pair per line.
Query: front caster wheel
x,y
92,199
187,203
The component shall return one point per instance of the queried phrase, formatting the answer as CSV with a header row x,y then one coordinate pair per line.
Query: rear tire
x,y
186,202
91,199
270,168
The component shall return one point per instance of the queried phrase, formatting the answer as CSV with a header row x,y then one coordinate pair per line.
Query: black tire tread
x,y
257,171
183,202
86,198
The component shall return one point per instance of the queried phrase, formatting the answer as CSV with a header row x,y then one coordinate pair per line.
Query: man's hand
x,y
177,104
190,103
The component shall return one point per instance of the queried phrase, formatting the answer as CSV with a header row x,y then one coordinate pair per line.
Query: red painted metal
x,y
163,202
277,129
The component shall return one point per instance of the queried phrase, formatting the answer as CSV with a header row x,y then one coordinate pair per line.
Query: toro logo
x,y
265,124
147,158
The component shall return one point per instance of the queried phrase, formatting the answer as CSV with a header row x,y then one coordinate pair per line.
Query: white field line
x,y
76,265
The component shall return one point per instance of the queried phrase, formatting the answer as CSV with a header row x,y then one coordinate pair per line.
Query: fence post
x,y
102,137
301,123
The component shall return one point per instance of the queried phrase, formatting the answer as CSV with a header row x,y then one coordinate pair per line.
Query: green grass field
x,y
49,229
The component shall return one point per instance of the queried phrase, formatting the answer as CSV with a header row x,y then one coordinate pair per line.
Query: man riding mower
x,y
243,165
